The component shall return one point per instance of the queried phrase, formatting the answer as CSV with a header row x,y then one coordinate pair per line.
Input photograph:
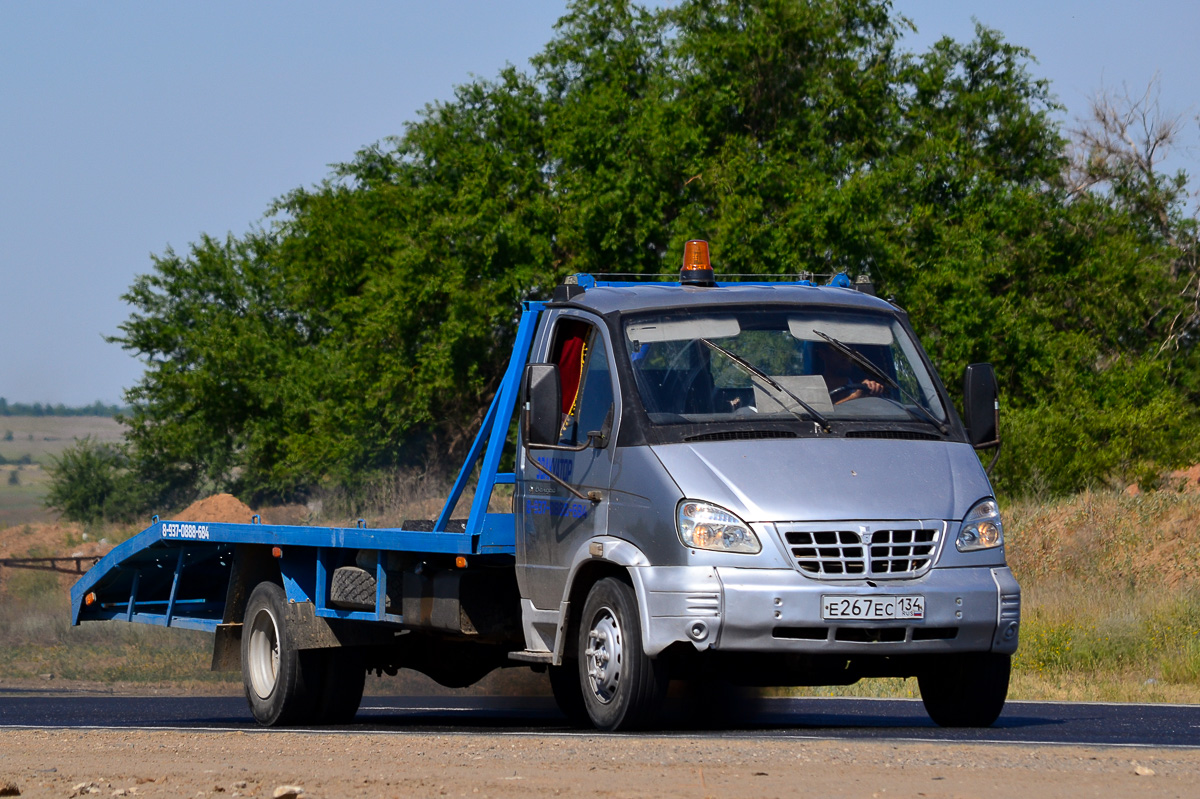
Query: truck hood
x,y
829,478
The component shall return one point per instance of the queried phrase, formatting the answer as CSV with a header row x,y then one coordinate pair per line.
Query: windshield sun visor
x,y
847,330
683,330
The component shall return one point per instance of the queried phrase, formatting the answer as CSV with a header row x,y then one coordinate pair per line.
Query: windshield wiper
x,y
869,366
757,374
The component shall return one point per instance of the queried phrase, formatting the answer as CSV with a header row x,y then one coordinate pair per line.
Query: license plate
x,y
871,608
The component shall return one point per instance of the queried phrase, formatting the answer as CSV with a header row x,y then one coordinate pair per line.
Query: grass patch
x,y
1089,643
37,641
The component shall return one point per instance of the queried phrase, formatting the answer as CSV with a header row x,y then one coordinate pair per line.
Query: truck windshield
x,y
687,371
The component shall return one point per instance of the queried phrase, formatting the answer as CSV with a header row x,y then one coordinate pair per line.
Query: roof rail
x,y
629,279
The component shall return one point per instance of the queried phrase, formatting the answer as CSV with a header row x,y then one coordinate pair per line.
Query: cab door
x,y
552,521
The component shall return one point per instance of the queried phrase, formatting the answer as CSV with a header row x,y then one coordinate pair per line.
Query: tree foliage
x,y
92,482
369,324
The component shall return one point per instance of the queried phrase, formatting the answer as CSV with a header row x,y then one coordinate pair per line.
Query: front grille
x,y
844,554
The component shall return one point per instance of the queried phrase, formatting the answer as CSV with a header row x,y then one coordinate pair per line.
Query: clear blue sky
x,y
129,127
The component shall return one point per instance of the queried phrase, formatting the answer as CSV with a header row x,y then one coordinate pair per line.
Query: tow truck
x,y
752,482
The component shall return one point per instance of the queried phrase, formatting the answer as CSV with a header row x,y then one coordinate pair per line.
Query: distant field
x,y
24,502
41,438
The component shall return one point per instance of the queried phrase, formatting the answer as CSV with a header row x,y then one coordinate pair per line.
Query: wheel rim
x,y
603,655
263,653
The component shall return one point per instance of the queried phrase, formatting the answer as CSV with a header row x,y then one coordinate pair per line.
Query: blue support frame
x,y
321,592
175,585
380,587
137,576
494,530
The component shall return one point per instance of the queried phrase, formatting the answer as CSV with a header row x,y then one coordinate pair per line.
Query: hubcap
x,y
603,655
263,653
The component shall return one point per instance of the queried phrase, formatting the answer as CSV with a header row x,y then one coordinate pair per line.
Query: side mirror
x,y
981,406
542,393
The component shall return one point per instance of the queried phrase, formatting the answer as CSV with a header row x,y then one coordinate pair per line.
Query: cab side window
x,y
583,369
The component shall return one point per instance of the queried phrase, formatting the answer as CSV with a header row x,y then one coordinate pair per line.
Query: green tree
x,y
91,482
228,364
370,324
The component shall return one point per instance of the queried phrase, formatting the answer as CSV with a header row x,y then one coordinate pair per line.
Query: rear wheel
x,y
622,687
965,690
280,681
344,675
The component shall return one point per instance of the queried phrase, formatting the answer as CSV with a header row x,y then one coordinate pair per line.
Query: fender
x,y
609,550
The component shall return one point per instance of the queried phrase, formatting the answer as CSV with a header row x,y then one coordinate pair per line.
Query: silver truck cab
x,y
763,485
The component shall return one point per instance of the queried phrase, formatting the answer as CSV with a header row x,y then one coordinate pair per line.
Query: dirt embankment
x,y
1149,539
62,539
226,508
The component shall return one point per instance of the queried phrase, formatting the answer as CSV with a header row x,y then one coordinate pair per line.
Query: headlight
x,y
706,526
981,528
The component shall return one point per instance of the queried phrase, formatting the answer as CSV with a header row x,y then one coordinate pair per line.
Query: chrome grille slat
x,y
899,552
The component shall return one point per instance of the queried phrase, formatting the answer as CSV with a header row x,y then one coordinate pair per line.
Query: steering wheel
x,y
842,393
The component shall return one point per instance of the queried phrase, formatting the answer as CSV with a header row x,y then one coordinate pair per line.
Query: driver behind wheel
x,y
845,380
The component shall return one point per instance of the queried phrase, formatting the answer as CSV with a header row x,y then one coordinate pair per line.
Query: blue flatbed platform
x,y
191,562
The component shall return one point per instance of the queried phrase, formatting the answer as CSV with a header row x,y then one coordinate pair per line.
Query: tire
x,y
966,690
342,680
568,693
622,687
282,684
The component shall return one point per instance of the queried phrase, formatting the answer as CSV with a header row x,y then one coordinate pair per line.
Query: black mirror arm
x,y
993,444
591,496
596,438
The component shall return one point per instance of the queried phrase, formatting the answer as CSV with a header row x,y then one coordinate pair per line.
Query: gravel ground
x,y
66,763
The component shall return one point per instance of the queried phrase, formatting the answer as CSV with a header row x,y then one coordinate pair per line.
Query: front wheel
x,y
622,686
965,690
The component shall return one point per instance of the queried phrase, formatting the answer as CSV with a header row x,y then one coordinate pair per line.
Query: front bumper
x,y
779,610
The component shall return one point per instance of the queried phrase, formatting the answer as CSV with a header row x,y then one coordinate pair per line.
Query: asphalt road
x,y
1021,722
